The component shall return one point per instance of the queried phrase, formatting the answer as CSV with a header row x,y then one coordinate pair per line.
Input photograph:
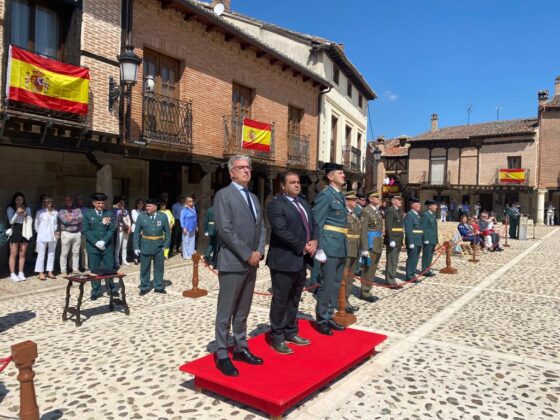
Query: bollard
x,y
448,269
342,317
24,355
507,230
474,259
195,292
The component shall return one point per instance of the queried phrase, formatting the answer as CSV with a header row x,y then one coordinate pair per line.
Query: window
x,y
40,27
336,74
349,89
295,116
359,142
514,162
334,133
360,100
242,99
348,136
165,71
437,171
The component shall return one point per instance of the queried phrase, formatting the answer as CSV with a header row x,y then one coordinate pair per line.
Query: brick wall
x,y
549,159
494,157
209,66
418,165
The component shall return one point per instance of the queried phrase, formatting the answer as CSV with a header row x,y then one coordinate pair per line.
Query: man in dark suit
x,y
293,238
241,238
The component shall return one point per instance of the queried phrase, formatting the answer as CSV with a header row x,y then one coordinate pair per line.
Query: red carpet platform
x,y
284,380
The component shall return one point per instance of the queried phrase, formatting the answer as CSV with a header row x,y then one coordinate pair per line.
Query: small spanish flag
x,y
46,83
256,135
512,176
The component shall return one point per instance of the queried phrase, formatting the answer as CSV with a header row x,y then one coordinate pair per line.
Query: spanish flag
x,y
512,176
46,83
256,135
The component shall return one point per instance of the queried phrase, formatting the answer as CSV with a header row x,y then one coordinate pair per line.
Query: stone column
x,y
541,195
104,183
379,168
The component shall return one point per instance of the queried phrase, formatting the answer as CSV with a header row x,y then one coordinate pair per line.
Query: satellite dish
x,y
219,9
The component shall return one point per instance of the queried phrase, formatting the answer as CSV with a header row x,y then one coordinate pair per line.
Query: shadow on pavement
x,y
15,318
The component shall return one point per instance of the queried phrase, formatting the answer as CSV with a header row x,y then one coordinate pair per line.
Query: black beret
x,y
98,196
152,201
430,202
331,166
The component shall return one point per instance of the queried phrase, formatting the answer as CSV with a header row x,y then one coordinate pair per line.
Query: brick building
x,y
389,172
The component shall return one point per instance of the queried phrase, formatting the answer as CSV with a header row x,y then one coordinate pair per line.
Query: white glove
x,y
137,252
365,253
411,246
321,256
205,233
392,244
426,242
100,245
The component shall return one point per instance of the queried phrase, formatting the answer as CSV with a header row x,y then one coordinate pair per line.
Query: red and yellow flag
x,y
256,135
46,83
512,176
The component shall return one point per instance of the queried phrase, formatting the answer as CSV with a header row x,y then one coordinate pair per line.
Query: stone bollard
x,y
343,317
195,292
24,355
474,259
448,269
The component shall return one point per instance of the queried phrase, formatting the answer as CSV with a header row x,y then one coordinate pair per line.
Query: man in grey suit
x,y
241,238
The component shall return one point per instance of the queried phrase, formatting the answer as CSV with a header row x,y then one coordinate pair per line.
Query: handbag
x,y
8,232
27,228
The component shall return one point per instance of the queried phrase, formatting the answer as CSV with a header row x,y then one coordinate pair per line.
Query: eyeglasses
x,y
243,167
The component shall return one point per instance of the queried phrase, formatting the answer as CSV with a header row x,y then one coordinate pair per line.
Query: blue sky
x,y
426,56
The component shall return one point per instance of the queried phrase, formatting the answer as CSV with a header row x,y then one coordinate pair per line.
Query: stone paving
x,y
484,343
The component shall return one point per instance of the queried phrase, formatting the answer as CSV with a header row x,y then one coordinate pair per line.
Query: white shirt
x,y
296,206
46,224
240,189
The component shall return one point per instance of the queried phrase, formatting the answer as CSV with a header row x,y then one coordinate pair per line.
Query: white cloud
x,y
390,96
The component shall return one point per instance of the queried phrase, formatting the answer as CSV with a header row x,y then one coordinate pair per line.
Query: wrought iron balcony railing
x,y
166,120
352,158
298,150
233,140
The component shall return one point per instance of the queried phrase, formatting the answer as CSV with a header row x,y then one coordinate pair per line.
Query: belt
x,y
397,230
336,229
153,238
417,231
349,236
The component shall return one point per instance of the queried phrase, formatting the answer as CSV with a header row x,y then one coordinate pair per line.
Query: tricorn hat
x,y
331,166
429,202
98,196
413,200
152,201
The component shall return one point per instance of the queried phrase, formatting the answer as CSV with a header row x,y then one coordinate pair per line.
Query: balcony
x,y
512,177
298,150
166,120
352,157
233,135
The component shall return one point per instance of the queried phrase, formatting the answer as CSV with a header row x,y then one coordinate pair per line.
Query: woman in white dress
x,y
139,208
46,226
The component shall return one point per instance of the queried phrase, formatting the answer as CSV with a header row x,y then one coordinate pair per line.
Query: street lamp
x,y
128,63
377,158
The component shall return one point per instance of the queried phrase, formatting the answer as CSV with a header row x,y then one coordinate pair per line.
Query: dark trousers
x,y
145,268
287,288
412,261
211,254
392,255
513,228
234,303
427,256
176,235
102,261
350,265
330,276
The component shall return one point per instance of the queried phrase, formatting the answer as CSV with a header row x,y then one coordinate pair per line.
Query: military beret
x,y
351,195
397,197
331,166
373,193
430,202
412,200
98,196
152,201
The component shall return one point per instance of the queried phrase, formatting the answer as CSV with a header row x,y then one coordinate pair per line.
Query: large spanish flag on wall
x,y
46,83
256,135
512,176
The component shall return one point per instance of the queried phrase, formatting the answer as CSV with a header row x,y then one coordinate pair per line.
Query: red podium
x,y
284,380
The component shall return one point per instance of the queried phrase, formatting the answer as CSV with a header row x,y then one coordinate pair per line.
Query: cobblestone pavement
x,y
484,343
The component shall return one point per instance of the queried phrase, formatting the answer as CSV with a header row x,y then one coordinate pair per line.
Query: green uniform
x,y
413,236
353,255
394,232
429,239
513,214
151,236
99,261
371,239
210,230
330,213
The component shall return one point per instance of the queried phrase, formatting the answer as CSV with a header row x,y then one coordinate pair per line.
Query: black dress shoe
x,y
281,348
353,308
226,367
323,329
369,298
336,326
143,292
162,291
114,293
300,341
350,310
246,356
429,274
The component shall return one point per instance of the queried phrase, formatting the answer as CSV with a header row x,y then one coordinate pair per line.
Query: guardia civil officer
x,y
394,232
151,236
353,255
371,241
98,227
429,237
330,213
413,237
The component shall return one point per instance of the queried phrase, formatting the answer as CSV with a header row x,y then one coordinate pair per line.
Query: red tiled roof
x,y
496,128
392,148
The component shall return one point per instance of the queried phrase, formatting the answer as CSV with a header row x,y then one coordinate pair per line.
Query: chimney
x,y
543,97
435,119
557,86
226,3
402,140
